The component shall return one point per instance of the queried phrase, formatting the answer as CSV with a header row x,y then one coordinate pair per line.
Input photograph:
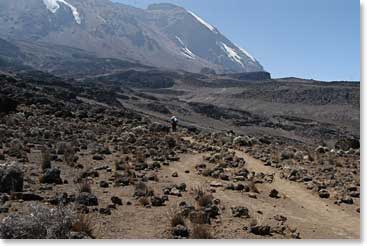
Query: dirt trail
x,y
322,215
313,217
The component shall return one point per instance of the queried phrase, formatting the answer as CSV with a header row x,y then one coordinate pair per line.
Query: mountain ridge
x,y
163,36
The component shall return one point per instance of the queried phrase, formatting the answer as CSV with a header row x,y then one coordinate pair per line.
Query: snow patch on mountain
x,y
180,41
184,50
247,54
232,54
53,6
206,24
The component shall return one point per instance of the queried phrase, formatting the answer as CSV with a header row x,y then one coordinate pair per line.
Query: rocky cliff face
x,y
163,35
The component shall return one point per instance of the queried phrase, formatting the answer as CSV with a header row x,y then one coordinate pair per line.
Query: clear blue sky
x,y
317,39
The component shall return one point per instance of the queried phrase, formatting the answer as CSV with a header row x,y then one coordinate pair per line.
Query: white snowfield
x,y
206,24
232,54
53,6
184,50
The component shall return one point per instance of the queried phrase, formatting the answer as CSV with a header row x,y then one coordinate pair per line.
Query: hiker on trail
x,y
174,122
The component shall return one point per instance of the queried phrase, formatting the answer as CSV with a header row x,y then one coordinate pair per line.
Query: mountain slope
x,y
163,35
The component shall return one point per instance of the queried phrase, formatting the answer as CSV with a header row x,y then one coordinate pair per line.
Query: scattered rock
x,y
26,196
103,184
87,199
180,232
105,211
11,178
51,176
116,200
260,230
324,193
157,201
240,212
274,194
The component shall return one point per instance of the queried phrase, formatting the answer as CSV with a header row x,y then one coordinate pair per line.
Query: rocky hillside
x,y
163,35
75,163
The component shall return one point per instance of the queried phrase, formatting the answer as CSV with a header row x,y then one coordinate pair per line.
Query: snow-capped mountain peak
x,y
206,24
53,6
162,35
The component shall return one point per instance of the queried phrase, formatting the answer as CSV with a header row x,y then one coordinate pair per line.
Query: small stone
x,y
260,230
216,184
105,211
280,218
324,193
180,231
347,200
98,157
103,184
87,199
157,201
240,212
274,194
116,200
252,195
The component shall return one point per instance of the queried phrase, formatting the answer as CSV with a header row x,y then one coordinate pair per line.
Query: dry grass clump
x,y
202,197
69,155
84,224
144,201
252,185
85,186
122,164
45,159
200,232
140,156
176,218
142,190
275,157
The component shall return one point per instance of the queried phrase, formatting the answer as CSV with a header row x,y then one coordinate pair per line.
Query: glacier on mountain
x,y
53,6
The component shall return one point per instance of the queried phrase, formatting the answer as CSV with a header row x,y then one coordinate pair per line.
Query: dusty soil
x,y
306,213
255,187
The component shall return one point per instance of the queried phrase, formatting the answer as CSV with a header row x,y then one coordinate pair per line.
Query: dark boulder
x,y
157,201
347,143
116,200
87,199
240,212
260,230
51,176
26,196
11,179
180,231
324,193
